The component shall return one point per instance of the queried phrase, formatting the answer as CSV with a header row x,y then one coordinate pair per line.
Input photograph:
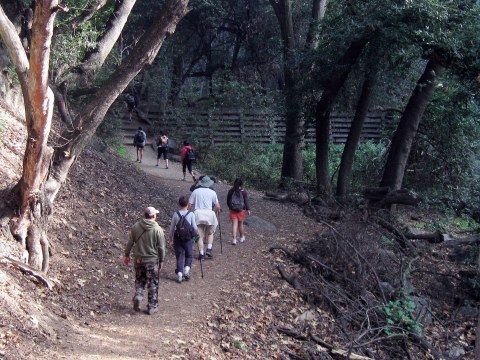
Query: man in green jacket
x,y
148,243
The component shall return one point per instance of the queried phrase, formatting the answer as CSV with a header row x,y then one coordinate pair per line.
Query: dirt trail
x,y
178,330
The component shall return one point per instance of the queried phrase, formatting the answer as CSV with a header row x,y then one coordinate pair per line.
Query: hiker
x,y
139,140
201,200
148,243
237,201
181,234
162,148
188,157
131,103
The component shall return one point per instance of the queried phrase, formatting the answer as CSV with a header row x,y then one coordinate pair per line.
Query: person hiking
x,y
201,200
148,243
187,160
139,140
237,202
181,234
196,186
131,104
162,148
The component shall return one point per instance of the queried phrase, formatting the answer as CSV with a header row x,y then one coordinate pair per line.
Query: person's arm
x,y
161,248
245,200
128,248
173,223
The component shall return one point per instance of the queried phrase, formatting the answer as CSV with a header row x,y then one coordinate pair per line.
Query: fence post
x,y
241,120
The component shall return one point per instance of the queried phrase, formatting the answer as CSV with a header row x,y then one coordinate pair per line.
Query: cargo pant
x,y
146,274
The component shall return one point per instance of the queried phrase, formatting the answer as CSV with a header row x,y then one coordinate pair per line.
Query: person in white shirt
x,y
201,201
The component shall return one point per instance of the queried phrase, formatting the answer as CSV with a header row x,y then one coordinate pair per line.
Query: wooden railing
x,y
234,126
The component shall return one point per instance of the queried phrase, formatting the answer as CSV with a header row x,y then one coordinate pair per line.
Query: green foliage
x,y
69,48
450,223
256,164
400,317
239,344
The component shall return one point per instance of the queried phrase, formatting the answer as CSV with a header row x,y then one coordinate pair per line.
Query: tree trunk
x,y
322,113
353,138
408,126
42,178
318,13
292,162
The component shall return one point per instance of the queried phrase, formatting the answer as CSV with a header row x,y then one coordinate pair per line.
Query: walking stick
x,y
195,239
220,229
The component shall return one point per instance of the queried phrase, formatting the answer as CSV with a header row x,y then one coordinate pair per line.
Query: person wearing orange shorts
x,y
237,201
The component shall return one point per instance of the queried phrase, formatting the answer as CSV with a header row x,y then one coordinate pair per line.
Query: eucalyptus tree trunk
x,y
45,170
323,109
407,128
354,134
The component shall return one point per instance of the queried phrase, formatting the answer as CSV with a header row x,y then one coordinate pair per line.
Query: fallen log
x,y
384,197
433,237
31,271
292,280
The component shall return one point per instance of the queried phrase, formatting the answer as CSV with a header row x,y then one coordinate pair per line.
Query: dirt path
x,y
183,326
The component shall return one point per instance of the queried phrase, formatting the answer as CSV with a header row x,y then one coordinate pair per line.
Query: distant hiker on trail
x,y
188,157
162,148
182,231
148,243
201,201
237,201
139,140
131,104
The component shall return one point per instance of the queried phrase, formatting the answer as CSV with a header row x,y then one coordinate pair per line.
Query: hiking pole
x,y
220,230
195,239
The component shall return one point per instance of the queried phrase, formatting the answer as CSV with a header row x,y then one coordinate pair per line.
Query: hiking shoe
x,y
152,310
186,273
200,256
208,254
136,304
242,239
179,277
234,242
186,276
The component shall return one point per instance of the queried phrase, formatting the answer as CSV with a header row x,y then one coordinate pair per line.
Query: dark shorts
x,y
187,164
140,146
164,151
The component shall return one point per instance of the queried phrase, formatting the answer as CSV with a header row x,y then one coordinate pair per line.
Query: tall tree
x,y
45,169
292,162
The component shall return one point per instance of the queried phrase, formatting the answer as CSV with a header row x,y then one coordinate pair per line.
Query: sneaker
x,y
186,272
152,310
179,277
208,254
200,256
242,239
234,242
136,304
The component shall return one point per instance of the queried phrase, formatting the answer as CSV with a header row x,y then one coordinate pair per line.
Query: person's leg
x,y
188,246
189,165
138,151
179,254
209,231
159,154
152,284
241,228
140,281
141,154
234,229
184,168
201,236
165,157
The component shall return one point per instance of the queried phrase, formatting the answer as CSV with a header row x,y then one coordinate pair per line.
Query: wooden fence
x,y
235,126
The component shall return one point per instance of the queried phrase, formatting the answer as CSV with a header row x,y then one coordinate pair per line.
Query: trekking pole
x,y
195,239
220,230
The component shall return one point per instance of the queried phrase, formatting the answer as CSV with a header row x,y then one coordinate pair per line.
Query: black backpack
x,y
184,230
140,137
190,155
237,201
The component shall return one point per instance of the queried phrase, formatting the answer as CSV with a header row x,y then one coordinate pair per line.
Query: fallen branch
x,y
31,271
401,239
286,251
292,280
427,347
292,333
319,341
433,238
471,240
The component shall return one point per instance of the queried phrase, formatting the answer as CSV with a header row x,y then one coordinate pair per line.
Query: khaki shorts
x,y
205,230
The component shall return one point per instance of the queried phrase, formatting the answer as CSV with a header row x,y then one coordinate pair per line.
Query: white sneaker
x,y
179,277
242,239
186,273
234,242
